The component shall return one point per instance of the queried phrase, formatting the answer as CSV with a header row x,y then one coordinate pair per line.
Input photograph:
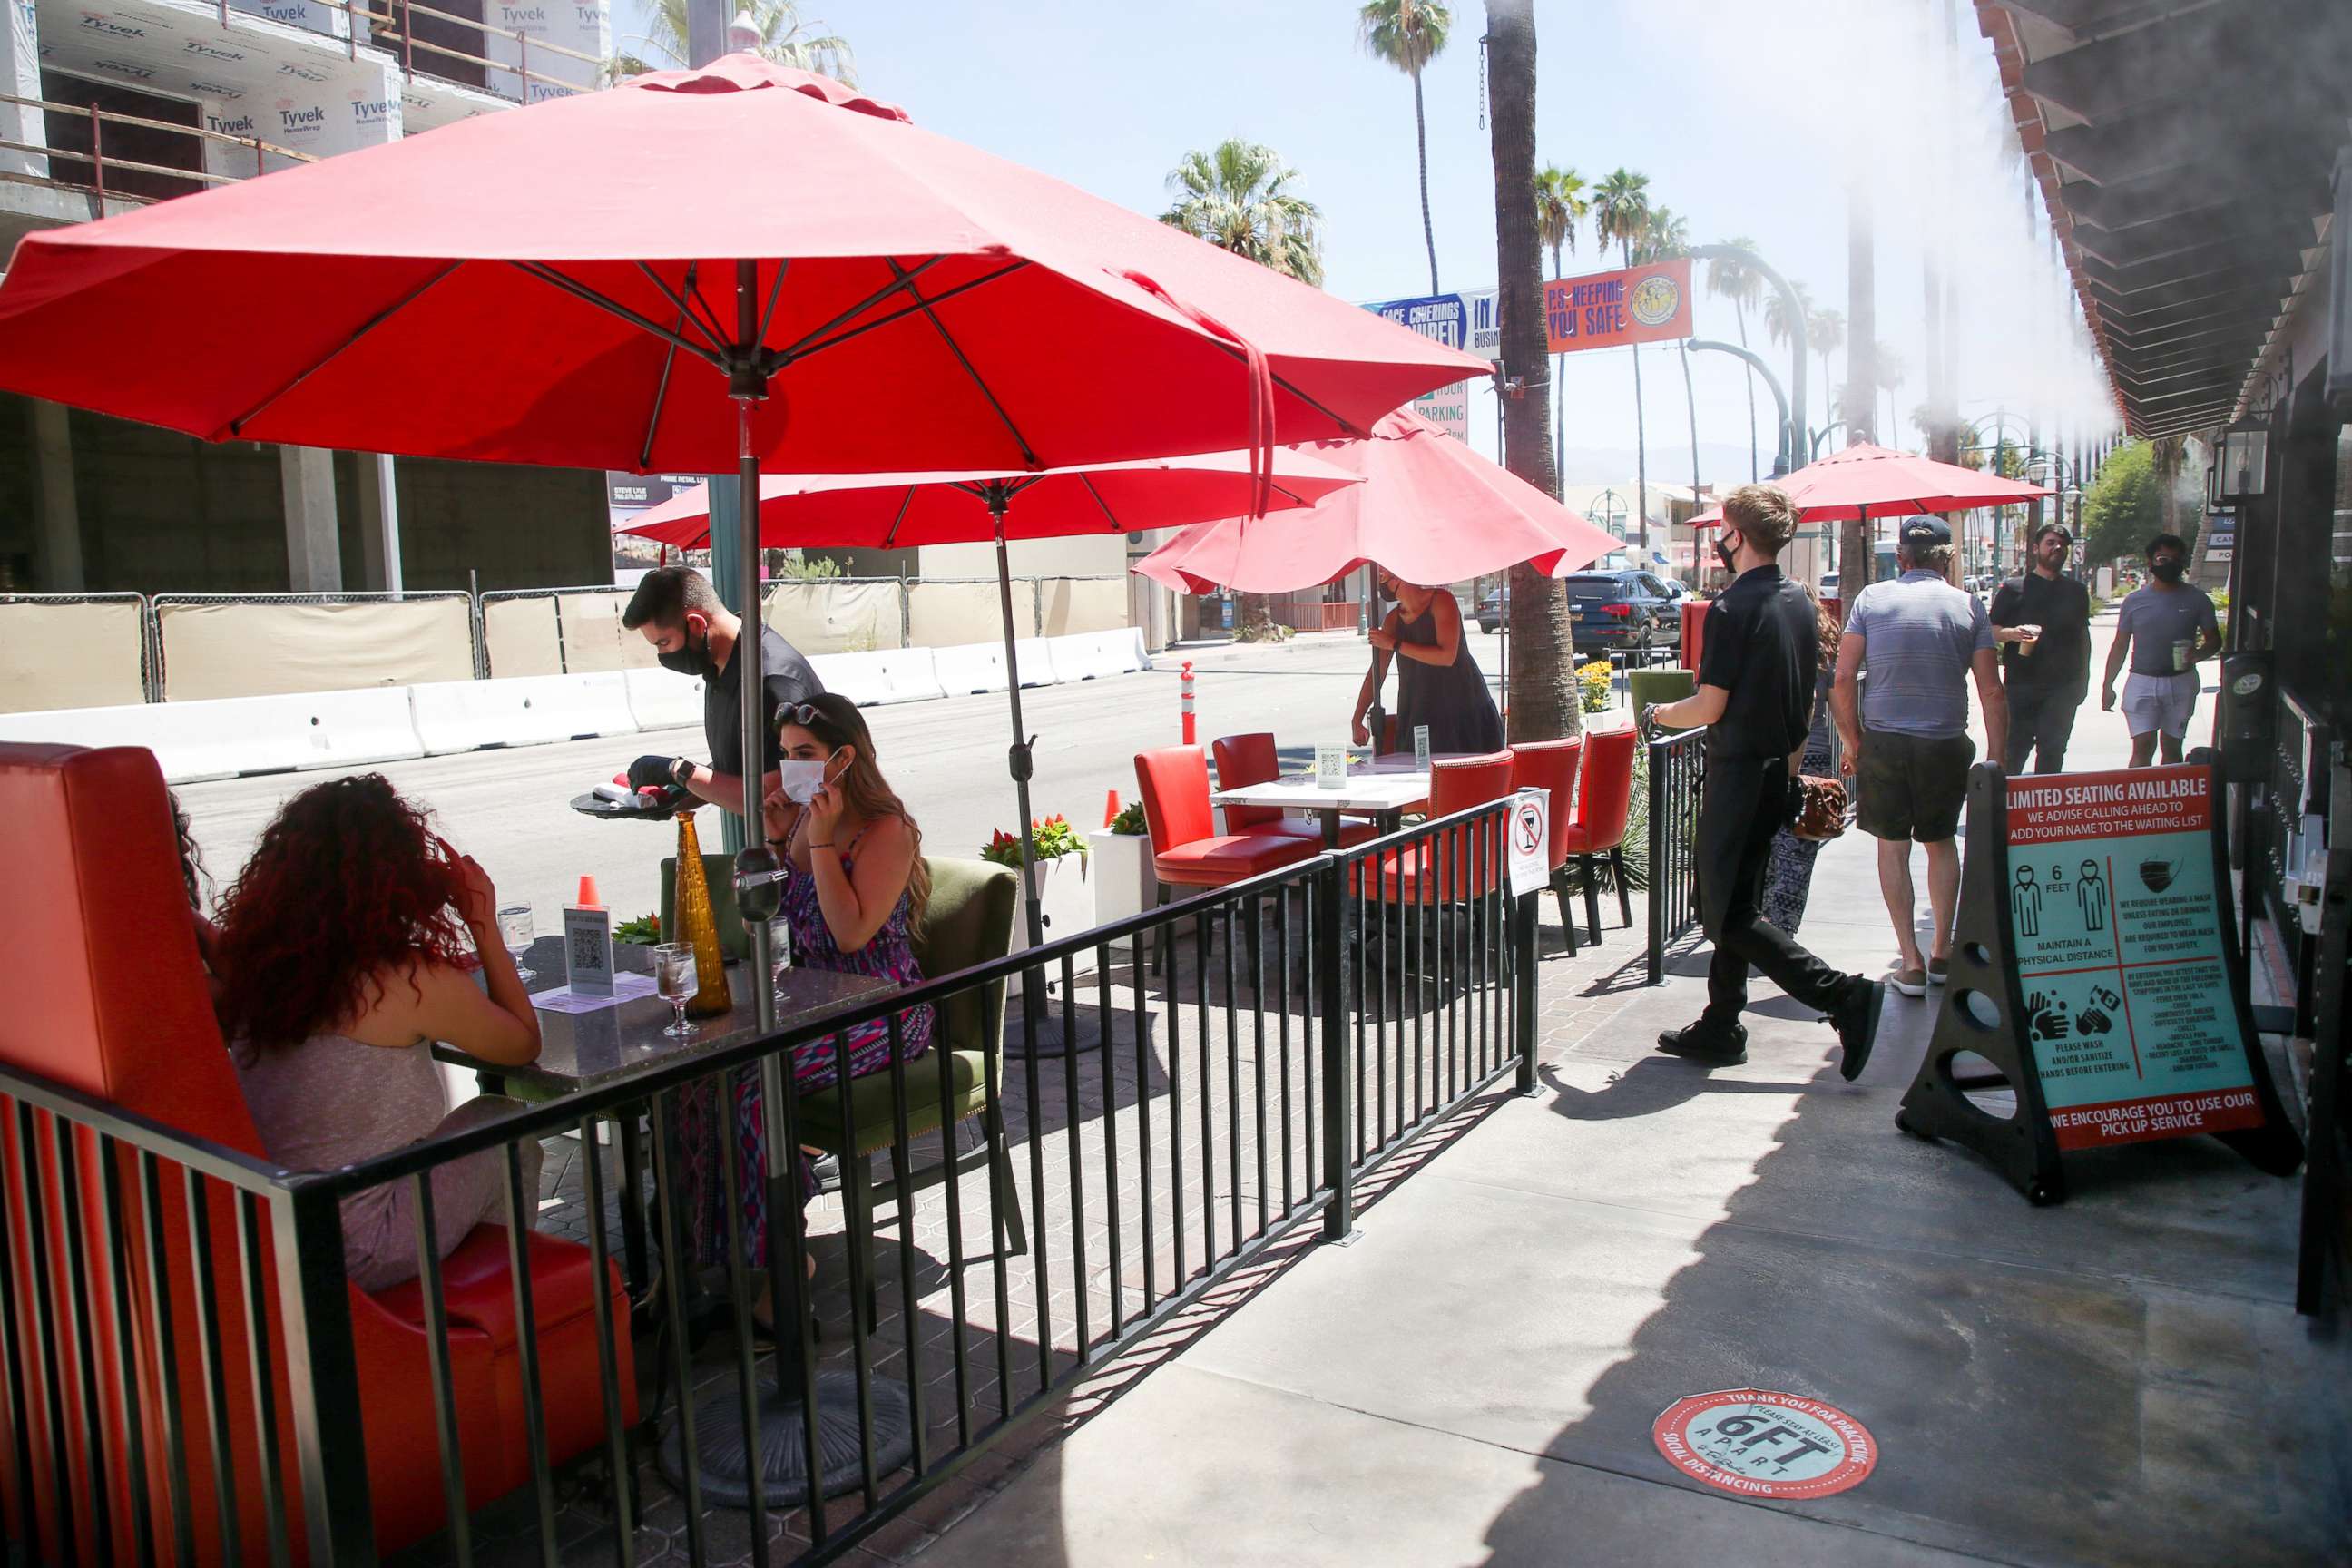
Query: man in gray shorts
x,y
1902,706
2167,627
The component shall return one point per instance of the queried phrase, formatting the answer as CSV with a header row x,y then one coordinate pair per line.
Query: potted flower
x,y
1124,883
1062,892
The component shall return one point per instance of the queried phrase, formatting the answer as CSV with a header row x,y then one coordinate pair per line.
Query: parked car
x,y
1620,611
1490,611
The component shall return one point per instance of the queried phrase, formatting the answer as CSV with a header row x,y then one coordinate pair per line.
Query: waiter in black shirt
x,y
2043,621
1754,695
694,632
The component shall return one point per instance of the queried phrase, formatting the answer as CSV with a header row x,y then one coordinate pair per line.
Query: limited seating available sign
x,y
2128,1006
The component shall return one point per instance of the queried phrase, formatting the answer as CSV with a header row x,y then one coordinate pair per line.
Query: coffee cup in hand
x,y
2029,638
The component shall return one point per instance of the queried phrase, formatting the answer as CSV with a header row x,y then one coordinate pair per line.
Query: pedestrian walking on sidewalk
x,y
1755,698
2168,626
2043,618
1912,645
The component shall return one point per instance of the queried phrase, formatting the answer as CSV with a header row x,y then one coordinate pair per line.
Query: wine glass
x,y
780,953
674,978
515,934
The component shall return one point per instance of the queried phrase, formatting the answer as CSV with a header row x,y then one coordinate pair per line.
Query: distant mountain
x,y
1718,464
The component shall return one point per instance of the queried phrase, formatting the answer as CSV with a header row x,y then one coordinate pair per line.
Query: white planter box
x,y
1123,882
1066,895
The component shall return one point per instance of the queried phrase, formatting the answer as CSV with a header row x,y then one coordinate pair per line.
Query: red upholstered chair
x,y
121,1013
1187,850
1551,765
1604,799
1459,865
1252,758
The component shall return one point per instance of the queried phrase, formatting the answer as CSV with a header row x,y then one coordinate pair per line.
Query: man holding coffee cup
x,y
2166,627
2042,622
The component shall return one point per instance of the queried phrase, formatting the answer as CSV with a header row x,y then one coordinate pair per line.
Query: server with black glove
x,y
676,610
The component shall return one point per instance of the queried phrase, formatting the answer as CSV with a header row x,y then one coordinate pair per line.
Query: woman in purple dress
x,y
854,893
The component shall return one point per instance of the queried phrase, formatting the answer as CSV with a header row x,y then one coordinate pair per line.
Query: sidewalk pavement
x,y
2118,1378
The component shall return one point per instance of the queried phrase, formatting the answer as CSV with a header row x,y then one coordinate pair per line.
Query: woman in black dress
x,y
1438,683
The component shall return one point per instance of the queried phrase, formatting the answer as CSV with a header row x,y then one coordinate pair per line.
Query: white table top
x,y
1389,783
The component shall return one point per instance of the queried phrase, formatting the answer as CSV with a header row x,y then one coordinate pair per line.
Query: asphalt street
x,y
946,758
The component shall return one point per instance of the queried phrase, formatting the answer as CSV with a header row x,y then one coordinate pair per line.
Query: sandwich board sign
x,y
2096,968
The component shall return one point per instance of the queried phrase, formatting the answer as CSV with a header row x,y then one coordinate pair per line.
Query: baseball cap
x,y
1927,531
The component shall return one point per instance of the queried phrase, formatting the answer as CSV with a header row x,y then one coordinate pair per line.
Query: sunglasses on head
x,y
804,714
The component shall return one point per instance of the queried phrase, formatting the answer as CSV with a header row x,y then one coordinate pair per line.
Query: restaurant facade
x,y
2199,228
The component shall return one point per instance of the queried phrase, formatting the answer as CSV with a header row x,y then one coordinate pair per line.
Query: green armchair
x,y
968,921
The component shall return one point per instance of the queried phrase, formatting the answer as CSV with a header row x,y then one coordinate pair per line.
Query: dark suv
x,y
1621,611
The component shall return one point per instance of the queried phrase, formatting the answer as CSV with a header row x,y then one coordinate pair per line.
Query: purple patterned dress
x,y
889,954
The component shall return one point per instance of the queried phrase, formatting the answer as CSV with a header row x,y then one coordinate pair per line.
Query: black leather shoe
x,y
1856,1023
1702,1042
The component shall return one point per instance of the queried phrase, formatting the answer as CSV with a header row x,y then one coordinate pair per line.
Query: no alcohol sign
x,y
1753,1442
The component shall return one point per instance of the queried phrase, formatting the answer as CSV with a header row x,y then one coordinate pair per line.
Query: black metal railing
x,y
1677,769
1316,1020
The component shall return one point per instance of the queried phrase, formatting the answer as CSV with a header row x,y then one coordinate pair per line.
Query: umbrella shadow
x,y
1646,1087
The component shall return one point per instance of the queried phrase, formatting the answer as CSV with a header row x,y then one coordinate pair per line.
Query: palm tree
x,y
2168,453
1621,211
1559,208
1408,35
1890,376
1238,197
1825,335
1540,683
1727,278
784,39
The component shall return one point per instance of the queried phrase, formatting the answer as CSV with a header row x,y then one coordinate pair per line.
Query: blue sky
x,y
1749,117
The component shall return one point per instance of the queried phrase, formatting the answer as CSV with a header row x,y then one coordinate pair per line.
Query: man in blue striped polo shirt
x,y
1902,706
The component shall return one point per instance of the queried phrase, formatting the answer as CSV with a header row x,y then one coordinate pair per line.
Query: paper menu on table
x,y
626,988
1331,767
1421,748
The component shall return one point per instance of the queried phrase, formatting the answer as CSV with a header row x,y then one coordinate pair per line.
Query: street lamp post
x,y
1786,456
1788,301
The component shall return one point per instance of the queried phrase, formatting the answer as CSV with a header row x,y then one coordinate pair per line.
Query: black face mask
x,y
689,659
1723,554
2168,571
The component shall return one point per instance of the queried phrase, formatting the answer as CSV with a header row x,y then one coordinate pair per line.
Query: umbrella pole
x,y
1021,760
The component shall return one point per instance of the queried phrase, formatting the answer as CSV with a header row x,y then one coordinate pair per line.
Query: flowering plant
x,y
1051,838
1592,683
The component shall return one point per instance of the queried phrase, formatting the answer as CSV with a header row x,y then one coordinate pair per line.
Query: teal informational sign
x,y
2116,937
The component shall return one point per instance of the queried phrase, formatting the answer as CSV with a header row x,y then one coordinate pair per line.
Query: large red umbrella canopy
x,y
887,511
559,284
1430,510
1872,481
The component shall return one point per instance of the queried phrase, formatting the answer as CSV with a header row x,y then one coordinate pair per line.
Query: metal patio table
x,y
1384,791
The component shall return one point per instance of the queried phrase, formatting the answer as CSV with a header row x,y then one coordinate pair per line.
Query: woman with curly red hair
x,y
341,960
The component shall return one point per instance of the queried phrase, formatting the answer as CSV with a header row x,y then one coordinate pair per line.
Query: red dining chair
x,y
1551,765
1604,800
1187,850
1251,759
122,1015
1459,864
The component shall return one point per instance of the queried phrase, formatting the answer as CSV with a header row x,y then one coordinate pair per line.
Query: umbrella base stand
x,y
1061,1029
725,1472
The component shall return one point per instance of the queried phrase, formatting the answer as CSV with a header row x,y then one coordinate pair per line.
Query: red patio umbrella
x,y
896,511
1872,481
1430,510
820,286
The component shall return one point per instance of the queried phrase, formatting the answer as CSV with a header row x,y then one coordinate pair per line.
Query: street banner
x,y
1448,408
1610,309
2096,968
1442,318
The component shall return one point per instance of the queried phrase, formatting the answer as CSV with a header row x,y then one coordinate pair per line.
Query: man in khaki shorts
x,y
1902,706
2166,628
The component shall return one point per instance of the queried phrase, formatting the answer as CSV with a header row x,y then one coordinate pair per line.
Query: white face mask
x,y
801,780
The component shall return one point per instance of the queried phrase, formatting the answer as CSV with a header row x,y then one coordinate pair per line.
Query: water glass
x,y
674,978
780,953
515,934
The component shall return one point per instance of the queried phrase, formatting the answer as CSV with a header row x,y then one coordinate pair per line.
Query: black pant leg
x,y
2057,728
2026,707
1742,935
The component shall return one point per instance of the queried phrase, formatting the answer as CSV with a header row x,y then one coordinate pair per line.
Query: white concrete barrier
x,y
970,667
1088,656
226,737
888,675
663,699
468,715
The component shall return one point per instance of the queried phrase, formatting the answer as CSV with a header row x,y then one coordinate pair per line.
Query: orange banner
x,y
1608,310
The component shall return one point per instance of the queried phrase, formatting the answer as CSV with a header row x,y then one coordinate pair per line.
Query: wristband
x,y
682,770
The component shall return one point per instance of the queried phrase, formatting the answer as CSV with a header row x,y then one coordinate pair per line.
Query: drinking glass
x,y
674,978
780,953
515,933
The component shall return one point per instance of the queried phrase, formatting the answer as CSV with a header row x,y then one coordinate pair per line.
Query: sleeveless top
x,y
889,954
333,1101
1451,699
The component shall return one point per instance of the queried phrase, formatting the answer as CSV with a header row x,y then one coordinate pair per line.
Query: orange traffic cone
x,y
588,899
1110,808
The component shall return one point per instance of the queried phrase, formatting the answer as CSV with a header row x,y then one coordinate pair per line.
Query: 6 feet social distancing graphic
x,y
2128,1007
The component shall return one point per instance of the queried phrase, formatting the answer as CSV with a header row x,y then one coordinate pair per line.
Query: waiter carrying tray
x,y
1763,651
693,633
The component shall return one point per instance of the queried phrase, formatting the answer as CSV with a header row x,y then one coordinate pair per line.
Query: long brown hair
x,y
835,720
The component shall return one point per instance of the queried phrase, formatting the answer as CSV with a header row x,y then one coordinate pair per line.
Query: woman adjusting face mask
x,y
799,778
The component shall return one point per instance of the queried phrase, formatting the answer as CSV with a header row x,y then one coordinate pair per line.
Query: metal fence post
x,y
1329,955
1661,873
1523,987
322,1367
